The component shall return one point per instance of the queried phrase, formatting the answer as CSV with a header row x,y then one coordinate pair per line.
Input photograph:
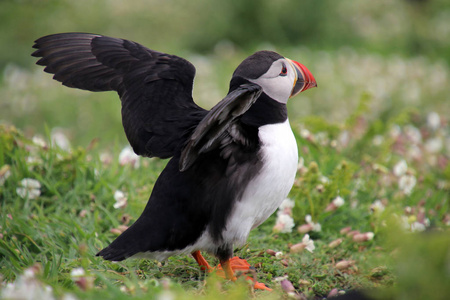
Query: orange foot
x,y
230,268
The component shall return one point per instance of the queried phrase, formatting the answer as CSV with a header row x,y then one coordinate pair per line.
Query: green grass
x,y
383,74
70,221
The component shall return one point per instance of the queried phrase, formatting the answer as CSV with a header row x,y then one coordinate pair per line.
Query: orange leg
x,y
237,264
204,266
228,268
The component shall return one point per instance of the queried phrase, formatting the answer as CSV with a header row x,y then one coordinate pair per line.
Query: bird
x,y
230,167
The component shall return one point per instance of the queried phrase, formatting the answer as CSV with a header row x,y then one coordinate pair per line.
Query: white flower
x,y
284,223
434,145
128,157
338,201
39,141
59,139
68,296
121,199
433,120
29,188
324,179
304,133
377,206
417,227
404,222
377,140
315,226
27,287
400,168
77,273
406,183
308,219
286,207
309,243
413,134
105,158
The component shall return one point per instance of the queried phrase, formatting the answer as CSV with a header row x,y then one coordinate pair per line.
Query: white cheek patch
x,y
277,87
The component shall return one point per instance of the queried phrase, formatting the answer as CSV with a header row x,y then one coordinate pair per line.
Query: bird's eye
x,y
283,70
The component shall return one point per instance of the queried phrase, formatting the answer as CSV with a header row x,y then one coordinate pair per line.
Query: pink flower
x,y
310,225
306,243
362,237
344,264
128,157
335,204
335,243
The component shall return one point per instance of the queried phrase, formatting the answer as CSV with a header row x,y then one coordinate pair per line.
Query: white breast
x,y
266,191
262,197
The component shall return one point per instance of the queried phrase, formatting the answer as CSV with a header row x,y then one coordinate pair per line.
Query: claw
x,y
230,268
239,265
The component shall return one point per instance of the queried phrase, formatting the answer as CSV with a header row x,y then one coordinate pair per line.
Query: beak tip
x,y
308,79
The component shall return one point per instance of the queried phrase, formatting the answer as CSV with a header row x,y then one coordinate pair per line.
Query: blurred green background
x,y
393,52
377,58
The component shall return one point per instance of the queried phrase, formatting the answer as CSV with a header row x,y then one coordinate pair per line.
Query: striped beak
x,y
304,79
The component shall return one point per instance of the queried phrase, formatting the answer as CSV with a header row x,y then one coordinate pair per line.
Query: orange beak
x,y
304,79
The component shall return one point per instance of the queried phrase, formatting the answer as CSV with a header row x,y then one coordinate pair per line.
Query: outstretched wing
x,y
155,88
217,127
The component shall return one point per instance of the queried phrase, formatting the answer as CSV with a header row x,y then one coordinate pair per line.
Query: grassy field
x,y
393,176
372,191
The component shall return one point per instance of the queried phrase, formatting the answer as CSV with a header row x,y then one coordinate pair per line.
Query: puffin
x,y
230,167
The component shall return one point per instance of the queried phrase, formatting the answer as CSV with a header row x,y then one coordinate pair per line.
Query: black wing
x,y
219,124
155,88
206,189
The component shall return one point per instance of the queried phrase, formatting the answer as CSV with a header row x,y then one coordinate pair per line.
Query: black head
x,y
280,77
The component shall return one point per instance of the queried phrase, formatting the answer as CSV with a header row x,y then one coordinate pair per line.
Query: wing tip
x,y
111,254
